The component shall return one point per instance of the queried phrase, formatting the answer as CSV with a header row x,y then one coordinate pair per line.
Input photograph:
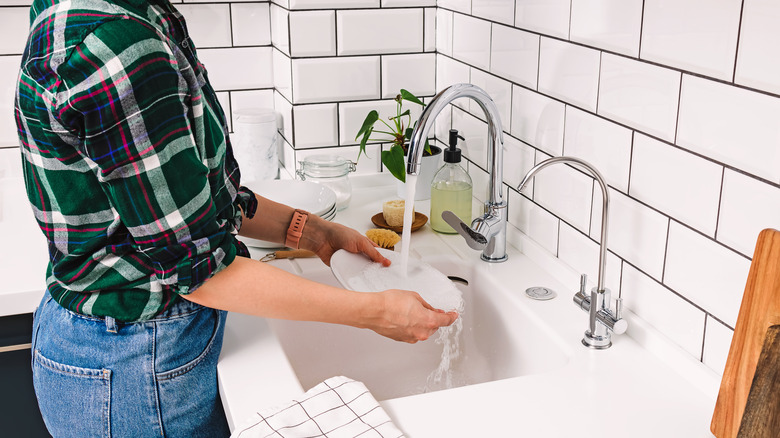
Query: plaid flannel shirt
x,y
126,157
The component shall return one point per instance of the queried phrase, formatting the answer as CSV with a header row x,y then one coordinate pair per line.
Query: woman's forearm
x,y
251,287
270,223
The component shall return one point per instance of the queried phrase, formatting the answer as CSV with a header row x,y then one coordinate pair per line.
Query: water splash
x,y
449,339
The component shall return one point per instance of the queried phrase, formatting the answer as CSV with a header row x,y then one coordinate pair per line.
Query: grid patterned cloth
x,y
126,156
336,408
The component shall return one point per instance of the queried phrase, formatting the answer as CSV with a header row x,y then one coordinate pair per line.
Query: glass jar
x,y
332,171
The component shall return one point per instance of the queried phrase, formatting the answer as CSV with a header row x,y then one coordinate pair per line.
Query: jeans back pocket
x,y
78,400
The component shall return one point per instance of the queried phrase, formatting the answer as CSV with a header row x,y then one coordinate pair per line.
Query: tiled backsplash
x,y
676,102
672,101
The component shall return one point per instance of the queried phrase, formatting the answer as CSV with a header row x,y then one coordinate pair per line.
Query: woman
x,y
131,177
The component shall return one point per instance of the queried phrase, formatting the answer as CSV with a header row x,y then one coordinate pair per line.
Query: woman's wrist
x,y
296,227
314,233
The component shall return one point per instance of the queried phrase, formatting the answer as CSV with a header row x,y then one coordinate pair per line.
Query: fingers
x,y
446,319
443,318
369,248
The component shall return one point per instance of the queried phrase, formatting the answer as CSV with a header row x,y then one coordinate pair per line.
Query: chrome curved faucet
x,y
487,232
602,320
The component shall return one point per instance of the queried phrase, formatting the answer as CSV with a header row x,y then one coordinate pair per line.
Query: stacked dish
x,y
315,198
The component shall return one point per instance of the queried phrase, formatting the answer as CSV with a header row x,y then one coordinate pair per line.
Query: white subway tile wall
x,y
514,55
364,32
548,17
280,29
334,79
693,35
730,124
705,272
537,120
607,24
315,125
640,95
415,73
716,344
758,64
208,24
676,102
569,72
471,40
256,67
245,18
664,309
501,11
313,33
747,206
689,189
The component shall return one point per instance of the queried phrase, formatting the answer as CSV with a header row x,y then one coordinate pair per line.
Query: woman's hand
x,y
325,238
405,316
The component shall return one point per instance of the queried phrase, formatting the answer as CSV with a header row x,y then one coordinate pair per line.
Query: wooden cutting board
x,y
762,411
760,309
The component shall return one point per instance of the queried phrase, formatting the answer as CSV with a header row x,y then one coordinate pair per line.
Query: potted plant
x,y
397,130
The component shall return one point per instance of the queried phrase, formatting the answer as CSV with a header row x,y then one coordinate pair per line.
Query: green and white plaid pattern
x,y
126,156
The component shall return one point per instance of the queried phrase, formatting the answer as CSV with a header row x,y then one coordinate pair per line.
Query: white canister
x,y
256,148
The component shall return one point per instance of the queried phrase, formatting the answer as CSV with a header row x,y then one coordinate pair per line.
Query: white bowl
x,y
312,197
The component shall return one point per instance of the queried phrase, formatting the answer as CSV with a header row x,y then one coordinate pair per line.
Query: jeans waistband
x,y
181,307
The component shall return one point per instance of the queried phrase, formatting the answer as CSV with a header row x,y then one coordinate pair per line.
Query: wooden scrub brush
x,y
384,238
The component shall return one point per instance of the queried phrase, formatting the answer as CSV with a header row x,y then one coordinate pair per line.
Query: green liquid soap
x,y
450,195
451,189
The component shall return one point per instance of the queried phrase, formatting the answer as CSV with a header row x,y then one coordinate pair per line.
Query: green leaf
x,y
393,160
411,97
363,142
405,113
371,118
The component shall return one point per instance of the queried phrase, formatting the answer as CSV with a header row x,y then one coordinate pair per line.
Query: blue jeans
x,y
96,377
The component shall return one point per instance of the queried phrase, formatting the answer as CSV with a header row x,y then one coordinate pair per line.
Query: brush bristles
x,y
384,238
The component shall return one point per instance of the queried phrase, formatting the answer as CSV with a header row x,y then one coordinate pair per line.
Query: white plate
x,y
358,272
255,243
346,265
306,195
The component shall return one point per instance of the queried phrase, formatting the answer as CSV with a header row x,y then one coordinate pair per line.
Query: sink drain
x,y
540,293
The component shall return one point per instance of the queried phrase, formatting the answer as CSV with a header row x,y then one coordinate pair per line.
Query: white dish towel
x,y
336,408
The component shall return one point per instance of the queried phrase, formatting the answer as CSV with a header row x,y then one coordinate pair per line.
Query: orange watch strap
x,y
295,230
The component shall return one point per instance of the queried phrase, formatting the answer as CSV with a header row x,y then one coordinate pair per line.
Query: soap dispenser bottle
x,y
451,188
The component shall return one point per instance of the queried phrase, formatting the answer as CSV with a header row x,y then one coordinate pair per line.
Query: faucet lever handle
x,y
583,283
473,239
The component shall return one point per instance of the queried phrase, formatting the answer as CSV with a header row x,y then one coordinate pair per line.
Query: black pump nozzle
x,y
452,153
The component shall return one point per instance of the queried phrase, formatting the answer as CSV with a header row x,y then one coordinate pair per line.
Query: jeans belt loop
x,y
111,326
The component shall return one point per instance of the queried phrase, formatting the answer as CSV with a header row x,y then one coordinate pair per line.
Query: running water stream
x,y
406,235
448,337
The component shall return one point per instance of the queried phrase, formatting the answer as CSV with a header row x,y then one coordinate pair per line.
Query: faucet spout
x,y
604,204
602,321
495,207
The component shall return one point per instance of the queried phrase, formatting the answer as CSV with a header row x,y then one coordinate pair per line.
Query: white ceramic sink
x,y
499,340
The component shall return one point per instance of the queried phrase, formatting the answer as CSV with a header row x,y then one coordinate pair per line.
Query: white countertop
x,y
629,390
